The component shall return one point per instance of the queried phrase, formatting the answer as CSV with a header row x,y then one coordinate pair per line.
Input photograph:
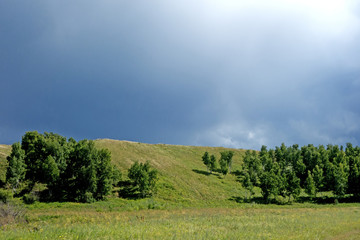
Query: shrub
x,y
29,198
86,197
10,213
5,195
280,200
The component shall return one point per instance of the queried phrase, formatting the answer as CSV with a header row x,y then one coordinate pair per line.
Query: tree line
x,y
71,170
286,171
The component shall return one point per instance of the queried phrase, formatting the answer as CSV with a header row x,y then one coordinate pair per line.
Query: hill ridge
x,y
182,174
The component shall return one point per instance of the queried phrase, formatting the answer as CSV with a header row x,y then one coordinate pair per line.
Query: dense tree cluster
x,y
72,171
285,170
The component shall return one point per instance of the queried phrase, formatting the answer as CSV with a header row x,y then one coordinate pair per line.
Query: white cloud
x,y
234,135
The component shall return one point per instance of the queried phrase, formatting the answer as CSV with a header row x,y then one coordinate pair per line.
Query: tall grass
x,y
213,223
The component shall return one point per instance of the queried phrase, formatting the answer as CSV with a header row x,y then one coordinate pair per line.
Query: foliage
x,y
286,170
75,171
310,188
206,160
223,166
143,177
5,195
29,198
16,168
212,163
226,161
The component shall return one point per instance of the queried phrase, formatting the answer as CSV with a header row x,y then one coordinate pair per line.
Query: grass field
x,y
189,204
245,222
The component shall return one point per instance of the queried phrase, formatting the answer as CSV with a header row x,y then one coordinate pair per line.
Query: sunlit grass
x,y
182,174
270,222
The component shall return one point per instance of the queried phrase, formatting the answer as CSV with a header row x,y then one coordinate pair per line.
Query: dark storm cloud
x,y
204,73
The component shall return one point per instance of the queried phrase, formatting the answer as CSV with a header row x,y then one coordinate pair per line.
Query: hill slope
x,y
182,174
4,152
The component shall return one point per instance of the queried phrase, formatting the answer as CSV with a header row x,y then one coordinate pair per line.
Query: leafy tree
x,y
247,183
116,176
51,172
310,188
75,171
252,168
143,177
17,168
354,175
206,160
318,176
91,171
341,178
223,166
104,173
226,157
270,184
292,185
212,163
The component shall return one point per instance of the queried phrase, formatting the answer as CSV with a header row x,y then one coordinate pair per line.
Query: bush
x,y
5,195
86,197
29,198
10,213
280,200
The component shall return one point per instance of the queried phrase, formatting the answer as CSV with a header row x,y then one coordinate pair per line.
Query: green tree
x,y
310,188
72,171
270,184
51,171
104,173
16,169
354,175
116,176
341,180
144,178
91,171
212,163
318,175
206,160
226,157
224,168
292,185
252,169
247,183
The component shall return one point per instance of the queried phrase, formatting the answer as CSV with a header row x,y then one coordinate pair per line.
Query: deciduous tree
x,y
17,168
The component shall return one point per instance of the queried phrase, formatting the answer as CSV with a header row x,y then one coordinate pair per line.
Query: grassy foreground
x,y
246,222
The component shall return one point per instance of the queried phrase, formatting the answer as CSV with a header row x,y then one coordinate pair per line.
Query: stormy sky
x,y
207,72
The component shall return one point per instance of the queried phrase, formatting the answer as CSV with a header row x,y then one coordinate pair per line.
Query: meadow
x,y
247,221
189,204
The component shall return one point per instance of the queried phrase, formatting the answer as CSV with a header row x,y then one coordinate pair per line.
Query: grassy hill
x,y
4,152
182,175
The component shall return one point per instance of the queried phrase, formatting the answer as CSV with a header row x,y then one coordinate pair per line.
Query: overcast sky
x,y
193,72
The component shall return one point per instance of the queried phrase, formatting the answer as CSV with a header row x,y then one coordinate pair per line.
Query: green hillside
x,y
182,174
4,152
